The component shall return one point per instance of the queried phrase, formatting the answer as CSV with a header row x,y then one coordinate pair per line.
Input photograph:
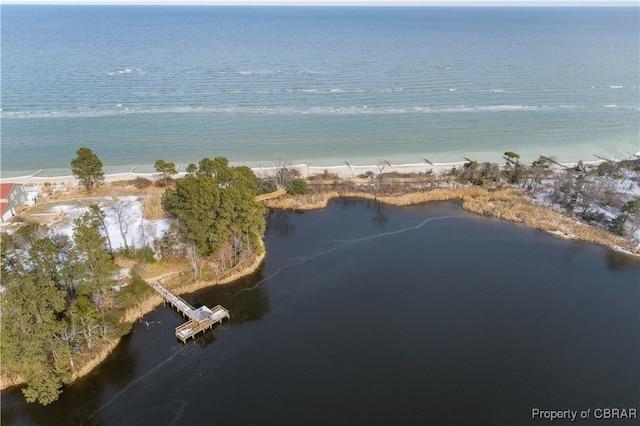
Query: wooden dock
x,y
200,319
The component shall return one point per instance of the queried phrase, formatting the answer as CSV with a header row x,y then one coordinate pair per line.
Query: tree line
x,y
216,212
60,301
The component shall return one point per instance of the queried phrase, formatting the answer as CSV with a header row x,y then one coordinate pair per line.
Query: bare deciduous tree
x,y
122,211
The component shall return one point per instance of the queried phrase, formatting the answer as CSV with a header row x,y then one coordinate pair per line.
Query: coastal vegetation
x,y
87,168
59,304
217,214
596,203
297,187
70,302
67,296
166,169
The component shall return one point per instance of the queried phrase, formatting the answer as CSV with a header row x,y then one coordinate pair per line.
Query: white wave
x,y
249,72
282,110
125,71
616,87
324,91
611,105
495,91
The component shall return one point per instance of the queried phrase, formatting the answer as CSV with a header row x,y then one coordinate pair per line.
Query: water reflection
x,y
245,300
82,402
617,260
380,217
78,401
279,221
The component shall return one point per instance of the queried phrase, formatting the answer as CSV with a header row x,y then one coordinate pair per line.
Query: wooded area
x,y
61,303
58,302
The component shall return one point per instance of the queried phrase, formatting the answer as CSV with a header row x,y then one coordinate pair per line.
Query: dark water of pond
x,y
369,314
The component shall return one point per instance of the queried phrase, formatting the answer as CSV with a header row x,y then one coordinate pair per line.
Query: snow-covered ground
x,y
124,222
595,197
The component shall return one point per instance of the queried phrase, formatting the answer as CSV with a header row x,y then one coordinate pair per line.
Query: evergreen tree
x,y
165,169
297,187
206,167
29,343
217,168
96,269
196,204
192,169
45,321
246,216
99,214
87,168
217,207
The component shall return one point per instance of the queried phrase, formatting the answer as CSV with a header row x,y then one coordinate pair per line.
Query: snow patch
x,y
124,222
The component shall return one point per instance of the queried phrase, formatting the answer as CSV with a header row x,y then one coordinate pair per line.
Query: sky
x,y
345,2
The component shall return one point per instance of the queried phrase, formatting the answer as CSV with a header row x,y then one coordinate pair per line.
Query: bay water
x,y
322,85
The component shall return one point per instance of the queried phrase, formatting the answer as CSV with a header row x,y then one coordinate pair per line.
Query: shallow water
x,y
369,314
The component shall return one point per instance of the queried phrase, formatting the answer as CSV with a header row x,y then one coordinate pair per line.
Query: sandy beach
x,y
343,171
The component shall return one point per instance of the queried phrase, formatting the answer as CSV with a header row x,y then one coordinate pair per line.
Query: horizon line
x,y
334,3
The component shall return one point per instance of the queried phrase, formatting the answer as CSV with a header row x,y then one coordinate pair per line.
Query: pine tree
x,y
96,269
196,204
165,169
29,343
217,207
87,168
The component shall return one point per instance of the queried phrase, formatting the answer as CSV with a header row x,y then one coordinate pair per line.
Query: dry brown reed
x,y
152,207
271,195
9,378
508,204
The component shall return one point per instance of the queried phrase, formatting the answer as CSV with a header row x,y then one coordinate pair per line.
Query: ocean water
x,y
317,85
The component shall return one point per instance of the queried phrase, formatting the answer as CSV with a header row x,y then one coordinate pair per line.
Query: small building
x,y
12,196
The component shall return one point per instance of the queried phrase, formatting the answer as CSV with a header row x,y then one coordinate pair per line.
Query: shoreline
x,y
506,204
344,171
143,308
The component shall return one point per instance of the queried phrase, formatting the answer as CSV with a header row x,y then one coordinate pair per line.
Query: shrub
x,y
142,183
617,225
144,254
133,293
266,187
297,187
607,168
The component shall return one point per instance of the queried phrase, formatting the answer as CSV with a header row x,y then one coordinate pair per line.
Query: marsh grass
x,y
510,204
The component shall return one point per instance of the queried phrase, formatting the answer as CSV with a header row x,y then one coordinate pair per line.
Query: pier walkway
x,y
200,319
